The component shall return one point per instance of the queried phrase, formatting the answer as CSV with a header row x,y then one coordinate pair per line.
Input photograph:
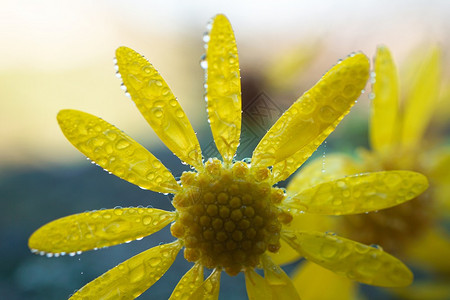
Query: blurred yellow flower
x,y
228,214
411,230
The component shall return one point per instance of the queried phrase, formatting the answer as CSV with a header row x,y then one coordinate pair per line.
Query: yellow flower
x,y
228,214
411,230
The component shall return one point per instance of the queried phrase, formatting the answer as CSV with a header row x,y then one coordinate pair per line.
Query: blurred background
x,y
59,54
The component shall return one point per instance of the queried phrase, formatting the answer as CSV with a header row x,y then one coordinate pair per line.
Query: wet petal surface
x,y
359,193
98,229
306,124
133,277
158,105
189,283
209,289
115,152
356,261
280,284
223,89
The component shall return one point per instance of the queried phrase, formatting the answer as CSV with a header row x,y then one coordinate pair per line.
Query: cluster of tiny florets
x,y
227,215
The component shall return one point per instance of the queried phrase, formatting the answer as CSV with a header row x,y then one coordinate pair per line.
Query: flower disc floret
x,y
227,217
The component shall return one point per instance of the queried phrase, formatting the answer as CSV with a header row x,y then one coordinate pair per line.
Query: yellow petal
x,y
354,260
321,170
133,277
209,289
257,287
187,285
384,121
359,193
314,282
280,284
98,229
158,105
307,222
306,124
116,152
223,90
422,97
285,255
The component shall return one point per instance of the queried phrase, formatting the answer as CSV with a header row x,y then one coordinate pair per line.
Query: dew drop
x,y
206,37
155,261
329,250
122,144
376,246
147,220
179,113
203,62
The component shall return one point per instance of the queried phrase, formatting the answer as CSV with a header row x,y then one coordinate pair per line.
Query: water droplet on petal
x,y
206,37
203,62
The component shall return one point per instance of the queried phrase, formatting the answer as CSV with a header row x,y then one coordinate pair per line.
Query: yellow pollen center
x,y
227,217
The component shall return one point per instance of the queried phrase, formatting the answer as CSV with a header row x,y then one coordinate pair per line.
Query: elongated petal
x,y
223,90
97,229
384,122
280,284
285,255
305,222
306,124
359,193
187,285
257,287
354,260
321,170
422,97
158,105
133,277
116,152
209,289
314,282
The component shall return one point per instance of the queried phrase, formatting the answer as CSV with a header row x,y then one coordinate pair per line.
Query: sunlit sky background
x,y
59,54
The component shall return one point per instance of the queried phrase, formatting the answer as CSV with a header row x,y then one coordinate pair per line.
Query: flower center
x,y
227,217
